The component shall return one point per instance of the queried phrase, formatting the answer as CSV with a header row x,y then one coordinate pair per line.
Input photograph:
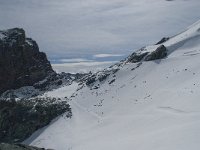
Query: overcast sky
x,y
91,29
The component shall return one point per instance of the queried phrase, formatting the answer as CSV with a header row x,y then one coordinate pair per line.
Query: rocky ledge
x,y
21,62
142,55
19,118
5,146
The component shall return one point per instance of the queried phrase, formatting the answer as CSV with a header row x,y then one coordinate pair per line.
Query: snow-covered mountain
x,y
141,105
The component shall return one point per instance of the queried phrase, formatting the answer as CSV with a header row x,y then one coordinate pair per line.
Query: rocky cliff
x,y
21,62
20,118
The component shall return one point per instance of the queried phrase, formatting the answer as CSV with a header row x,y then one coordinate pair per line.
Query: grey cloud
x,y
82,28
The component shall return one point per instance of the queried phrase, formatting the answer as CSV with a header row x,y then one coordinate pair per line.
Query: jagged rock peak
x,y
21,62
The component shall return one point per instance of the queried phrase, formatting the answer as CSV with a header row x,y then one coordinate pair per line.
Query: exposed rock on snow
x,y
5,146
51,82
135,57
21,117
163,40
145,55
159,53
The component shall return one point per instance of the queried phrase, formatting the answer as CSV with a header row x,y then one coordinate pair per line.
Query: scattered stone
x,y
103,77
90,80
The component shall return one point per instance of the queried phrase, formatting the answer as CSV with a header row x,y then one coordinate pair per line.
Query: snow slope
x,y
153,107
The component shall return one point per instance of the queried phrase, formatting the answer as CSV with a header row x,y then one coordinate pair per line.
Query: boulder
x,y
159,53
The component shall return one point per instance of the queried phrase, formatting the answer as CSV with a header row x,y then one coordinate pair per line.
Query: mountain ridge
x,y
141,105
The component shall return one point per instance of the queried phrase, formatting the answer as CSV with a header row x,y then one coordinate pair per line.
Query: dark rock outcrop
x,y
134,58
159,53
163,40
144,55
53,81
19,119
21,62
90,80
5,146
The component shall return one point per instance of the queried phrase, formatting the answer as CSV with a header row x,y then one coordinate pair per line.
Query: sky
x,y
97,30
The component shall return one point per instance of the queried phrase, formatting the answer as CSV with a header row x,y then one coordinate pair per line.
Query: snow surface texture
x,y
153,107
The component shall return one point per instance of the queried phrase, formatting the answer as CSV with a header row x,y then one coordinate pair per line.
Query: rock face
x,y
51,82
134,58
164,39
21,62
5,146
159,53
142,55
19,119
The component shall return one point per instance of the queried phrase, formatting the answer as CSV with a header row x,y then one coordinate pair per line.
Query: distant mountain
x,y
149,100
